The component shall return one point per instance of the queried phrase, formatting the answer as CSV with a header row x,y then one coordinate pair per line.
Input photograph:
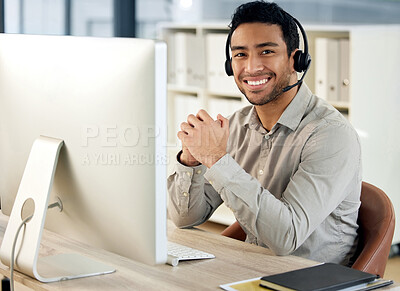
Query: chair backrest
x,y
234,231
376,228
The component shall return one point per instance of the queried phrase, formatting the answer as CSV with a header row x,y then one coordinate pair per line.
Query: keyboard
x,y
178,252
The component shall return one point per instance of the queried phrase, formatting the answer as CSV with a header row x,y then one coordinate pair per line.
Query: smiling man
x,y
261,63
289,165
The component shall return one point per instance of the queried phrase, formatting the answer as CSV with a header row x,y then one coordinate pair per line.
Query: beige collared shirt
x,y
295,189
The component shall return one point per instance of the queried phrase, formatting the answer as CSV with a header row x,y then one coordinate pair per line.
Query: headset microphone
x,y
302,60
297,83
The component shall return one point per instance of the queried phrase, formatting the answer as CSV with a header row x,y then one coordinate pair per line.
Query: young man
x,y
288,166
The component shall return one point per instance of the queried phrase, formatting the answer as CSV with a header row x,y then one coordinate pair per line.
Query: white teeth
x,y
255,83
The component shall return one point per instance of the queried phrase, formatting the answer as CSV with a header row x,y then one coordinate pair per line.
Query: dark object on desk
x,y
326,276
376,220
5,284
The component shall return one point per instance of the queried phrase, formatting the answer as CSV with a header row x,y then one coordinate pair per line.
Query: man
x,y
289,166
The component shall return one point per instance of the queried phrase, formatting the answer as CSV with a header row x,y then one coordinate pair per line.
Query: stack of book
x,y
323,277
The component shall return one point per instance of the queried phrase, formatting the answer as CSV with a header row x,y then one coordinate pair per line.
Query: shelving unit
x,y
360,76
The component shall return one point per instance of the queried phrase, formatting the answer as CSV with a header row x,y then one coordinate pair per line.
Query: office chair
x,y
376,228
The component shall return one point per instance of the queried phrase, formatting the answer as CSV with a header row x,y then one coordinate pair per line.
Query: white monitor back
x,y
106,98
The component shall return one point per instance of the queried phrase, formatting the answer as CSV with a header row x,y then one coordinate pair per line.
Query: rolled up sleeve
x,y
192,200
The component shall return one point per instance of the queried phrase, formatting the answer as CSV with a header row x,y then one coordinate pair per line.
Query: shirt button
x,y
188,174
198,172
260,172
186,194
267,136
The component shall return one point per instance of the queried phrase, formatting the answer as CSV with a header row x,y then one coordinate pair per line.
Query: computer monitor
x,y
106,99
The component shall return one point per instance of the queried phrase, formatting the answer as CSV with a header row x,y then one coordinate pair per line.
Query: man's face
x,y
260,62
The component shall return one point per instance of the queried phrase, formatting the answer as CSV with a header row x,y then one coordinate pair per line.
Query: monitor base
x,y
69,266
35,188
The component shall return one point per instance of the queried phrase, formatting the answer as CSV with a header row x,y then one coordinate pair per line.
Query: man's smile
x,y
256,83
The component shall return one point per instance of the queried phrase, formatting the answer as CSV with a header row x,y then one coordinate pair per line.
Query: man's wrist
x,y
184,162
212,160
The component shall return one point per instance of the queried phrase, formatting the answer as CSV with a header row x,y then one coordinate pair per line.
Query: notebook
x,y
327,276
254,285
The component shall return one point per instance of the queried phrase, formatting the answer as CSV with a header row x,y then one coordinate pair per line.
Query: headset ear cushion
x,y
228,67
299,61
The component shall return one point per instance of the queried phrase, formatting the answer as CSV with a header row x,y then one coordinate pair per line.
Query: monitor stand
x,y
35,188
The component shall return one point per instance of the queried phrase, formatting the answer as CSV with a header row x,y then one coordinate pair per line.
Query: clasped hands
x,y
203,139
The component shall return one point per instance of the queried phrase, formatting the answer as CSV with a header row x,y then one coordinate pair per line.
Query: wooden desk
x,y
235,260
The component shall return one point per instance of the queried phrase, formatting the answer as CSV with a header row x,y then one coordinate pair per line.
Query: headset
x,y
302,60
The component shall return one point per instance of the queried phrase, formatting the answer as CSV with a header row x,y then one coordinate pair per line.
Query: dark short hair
x,y
269,13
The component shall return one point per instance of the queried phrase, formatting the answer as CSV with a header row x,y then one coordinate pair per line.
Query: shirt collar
x,y
292,115
252,121
296,109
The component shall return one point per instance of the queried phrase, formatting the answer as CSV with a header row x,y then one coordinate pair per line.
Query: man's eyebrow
x,y
261,45
238,47
268,43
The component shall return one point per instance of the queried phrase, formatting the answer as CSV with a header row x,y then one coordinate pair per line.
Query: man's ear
x,y
292,59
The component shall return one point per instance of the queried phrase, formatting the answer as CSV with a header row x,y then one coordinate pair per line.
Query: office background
x,y
141,18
